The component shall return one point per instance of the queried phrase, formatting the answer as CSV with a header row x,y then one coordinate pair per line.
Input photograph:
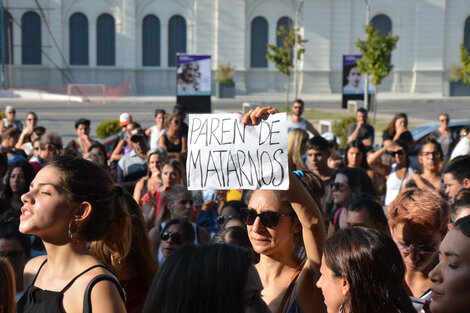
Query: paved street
x,y
60,117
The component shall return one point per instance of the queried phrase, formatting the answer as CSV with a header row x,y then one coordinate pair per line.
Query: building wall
x,y
430,34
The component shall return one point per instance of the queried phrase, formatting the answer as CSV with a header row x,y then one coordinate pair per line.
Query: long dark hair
x,y
201,279
139,256
357,144
358,180
29,174
371,263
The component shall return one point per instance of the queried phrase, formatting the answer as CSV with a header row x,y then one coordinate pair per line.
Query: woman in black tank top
x,y
69,202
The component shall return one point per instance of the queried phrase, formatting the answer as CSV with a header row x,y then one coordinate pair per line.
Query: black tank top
x,y
45,301
170,146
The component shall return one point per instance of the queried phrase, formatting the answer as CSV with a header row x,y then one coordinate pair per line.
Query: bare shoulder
x,y
31,269
105,294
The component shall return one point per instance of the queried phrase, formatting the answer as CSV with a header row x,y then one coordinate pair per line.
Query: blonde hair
x,y
7,286
295,139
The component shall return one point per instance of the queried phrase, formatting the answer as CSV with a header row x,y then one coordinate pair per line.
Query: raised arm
x,y
313,230
312,129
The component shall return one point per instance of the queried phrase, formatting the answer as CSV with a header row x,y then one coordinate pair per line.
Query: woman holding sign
x,y
286,228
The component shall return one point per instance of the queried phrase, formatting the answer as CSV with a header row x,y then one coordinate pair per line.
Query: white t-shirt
x,y
462,148
155,136
394,184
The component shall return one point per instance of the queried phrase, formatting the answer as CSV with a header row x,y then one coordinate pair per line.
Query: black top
x,y
46,301
365,132
406,136
171,147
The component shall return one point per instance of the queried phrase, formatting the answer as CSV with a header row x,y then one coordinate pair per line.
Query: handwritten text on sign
x,y
225,154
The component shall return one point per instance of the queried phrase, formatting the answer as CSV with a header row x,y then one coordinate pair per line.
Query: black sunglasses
x,y
399,152
269,219
337,186
175,237
221,219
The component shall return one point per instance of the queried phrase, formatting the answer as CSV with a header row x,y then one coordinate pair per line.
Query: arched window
x,y
105,40
78,42
30,38
382,23
259,42
287,23
151,41
466,35
8,38
176,38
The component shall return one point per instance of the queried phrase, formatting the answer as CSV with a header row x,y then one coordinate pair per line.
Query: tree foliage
x,y
108,128
461,73
283,56
376,53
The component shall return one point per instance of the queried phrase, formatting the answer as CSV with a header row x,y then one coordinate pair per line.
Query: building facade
x,y
57,42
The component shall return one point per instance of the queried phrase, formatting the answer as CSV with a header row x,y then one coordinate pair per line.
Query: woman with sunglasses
x,y
430,157
230,210
286,228
176,234
348,182
418,221
362,272
172,140
400,172
451,277
180,205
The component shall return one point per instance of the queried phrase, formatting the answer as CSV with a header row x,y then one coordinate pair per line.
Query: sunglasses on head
x,y
175,237
269,219
399,152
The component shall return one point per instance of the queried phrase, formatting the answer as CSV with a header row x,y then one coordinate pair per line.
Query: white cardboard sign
x,y
225,154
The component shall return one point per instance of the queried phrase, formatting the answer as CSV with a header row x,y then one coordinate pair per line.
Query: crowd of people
x,y
83,229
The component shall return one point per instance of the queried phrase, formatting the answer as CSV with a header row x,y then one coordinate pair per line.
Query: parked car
x,y
110,142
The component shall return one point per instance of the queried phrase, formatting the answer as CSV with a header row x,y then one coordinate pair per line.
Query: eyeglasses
x,y
175,237
423,249
399,152
269,219
463,134
221,219
11,255
337,186
435,154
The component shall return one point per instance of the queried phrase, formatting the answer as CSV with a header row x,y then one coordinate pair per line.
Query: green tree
x,y
376,58
461,73
283,56
376,53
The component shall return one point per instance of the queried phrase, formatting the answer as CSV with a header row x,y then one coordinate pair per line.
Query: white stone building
x,y
103,41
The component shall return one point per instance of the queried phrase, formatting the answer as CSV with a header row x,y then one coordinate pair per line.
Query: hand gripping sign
x,y
225,154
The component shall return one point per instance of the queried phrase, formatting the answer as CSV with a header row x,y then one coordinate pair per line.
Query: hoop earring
x,y
70,232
